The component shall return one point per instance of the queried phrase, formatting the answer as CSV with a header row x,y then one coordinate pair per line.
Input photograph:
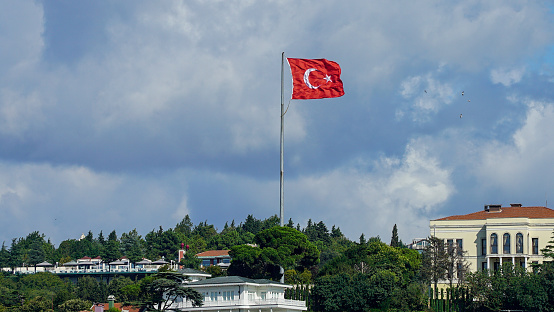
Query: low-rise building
x,y
215,257
497,234
234,293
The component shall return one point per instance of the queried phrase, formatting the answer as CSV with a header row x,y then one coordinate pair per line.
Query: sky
x,y
122,115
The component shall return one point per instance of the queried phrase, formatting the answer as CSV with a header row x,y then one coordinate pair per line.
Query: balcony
x,y
247,304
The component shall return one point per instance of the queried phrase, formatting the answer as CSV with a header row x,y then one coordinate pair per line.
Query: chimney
x,y
111,300
515,205
493,208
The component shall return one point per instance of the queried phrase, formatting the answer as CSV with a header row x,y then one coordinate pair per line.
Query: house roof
x,y
189,271
71,263
505,212
144,261
213,254
234,280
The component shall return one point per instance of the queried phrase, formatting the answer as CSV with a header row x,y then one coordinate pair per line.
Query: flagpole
x,y
282,198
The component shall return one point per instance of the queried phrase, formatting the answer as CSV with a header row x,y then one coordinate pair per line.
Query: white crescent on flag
x,y
307,78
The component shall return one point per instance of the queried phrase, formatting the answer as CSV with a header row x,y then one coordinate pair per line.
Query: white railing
x,y
257,303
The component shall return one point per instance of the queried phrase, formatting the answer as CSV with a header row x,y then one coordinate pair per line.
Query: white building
x,y
235,293
497,234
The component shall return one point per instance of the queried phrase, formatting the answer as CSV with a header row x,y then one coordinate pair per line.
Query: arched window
x,y
506,243
519,243
494,244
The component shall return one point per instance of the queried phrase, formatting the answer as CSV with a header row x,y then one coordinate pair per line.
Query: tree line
x,y
331,272
158,243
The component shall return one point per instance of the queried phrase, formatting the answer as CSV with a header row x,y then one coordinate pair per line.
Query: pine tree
x,y
362,239
394,239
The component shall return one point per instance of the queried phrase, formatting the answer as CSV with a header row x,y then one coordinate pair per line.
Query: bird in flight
x,y
462,93
460,116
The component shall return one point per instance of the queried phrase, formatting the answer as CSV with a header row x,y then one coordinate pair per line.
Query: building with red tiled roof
x,y
215,257
497,235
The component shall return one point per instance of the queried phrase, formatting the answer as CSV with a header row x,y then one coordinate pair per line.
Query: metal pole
x,y
282,199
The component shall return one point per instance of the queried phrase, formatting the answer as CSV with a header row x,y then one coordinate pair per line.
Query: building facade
x,y
498,234
215,257
235,293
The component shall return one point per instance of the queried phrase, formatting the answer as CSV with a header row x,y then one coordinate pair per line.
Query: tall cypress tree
x,y
394,239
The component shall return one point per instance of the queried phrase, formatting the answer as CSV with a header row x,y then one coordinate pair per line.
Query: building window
x,y
519,243
213,296
483,266
484,246
460,247
535,242
229,295
450,244
206,262
494,244
506,243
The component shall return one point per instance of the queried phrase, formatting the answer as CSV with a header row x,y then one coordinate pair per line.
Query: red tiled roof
x,y
213,253
506,212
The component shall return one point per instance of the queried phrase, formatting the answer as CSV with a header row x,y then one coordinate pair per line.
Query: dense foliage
x,y
370,276
329,271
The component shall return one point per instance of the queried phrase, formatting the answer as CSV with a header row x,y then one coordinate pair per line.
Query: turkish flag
x,y
315,79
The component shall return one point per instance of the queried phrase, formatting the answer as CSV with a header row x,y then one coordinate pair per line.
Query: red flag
x,y
315,79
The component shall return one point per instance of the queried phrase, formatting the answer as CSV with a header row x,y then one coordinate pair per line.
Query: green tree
x,y
185,226
112,250
456,264
132,246
117,284
47,285
434,261
247,262
162,244
252,225
215,271
394,239
37,304
511,288
278,247
548,250
16,254
362,239
36,254
4,256
161,290
190,260
88,288
336,232
73,305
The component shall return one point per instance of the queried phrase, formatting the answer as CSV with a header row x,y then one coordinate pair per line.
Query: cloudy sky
x,y
132,114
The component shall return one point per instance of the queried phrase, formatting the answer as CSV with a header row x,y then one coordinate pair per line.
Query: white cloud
x,y
426,95
527,157
507,77
179,85
20,47
400,191
65,201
